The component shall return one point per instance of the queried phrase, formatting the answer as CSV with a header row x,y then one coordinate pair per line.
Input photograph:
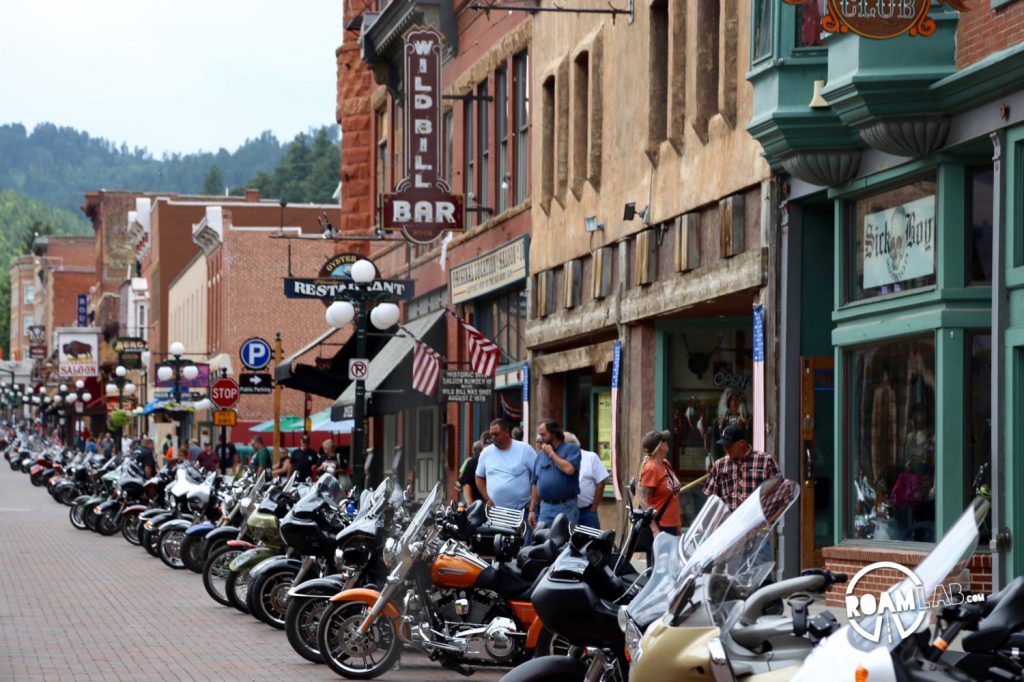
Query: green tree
x,y
214,182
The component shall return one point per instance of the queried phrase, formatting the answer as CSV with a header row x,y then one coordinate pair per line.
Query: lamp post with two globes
x,y
355,306
120,386
176,368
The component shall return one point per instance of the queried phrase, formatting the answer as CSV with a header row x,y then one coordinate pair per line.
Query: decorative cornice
x,y
826,168
913,137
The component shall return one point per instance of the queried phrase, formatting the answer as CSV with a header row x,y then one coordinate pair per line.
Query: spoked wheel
x,y
150,540
67,496
91,519
353,654
236,587
268,597
301,621
105,525
216,572
77,516
169,544
192,552
130,528
550,644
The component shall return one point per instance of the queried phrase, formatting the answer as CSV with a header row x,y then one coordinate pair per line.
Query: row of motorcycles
x,y
355,580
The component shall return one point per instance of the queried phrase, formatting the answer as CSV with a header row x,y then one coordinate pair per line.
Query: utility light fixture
x,y
591,225
630,213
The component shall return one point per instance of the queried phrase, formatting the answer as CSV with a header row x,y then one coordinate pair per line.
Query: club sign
x,y
880,19
423,205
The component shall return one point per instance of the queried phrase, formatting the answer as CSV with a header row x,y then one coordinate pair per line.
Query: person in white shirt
x,y
593,477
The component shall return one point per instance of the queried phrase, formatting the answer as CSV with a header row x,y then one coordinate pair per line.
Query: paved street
x,y
78,606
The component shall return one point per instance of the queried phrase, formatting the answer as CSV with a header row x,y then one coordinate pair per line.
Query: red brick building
x,y
485,133
25,312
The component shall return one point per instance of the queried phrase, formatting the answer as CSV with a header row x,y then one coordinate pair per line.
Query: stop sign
x,y
224,393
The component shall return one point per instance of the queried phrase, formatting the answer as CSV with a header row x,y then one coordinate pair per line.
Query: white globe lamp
x,y
384,316
177,348
165,373
340,313
190,372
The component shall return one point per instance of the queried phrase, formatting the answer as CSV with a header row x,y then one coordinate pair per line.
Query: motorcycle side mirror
x,y
632,487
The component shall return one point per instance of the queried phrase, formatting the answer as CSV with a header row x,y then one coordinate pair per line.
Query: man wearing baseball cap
x,y
742,471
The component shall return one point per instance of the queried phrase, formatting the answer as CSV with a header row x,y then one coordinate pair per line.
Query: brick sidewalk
x,y
78,606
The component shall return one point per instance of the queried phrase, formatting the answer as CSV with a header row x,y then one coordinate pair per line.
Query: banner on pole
x,y
616,379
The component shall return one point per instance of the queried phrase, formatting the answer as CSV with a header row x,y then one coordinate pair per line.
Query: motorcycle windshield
x,y
887,629
741,554
418,521
668,551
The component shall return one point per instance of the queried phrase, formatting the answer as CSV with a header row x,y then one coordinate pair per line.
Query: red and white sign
x,y
224,393
423,205
357,368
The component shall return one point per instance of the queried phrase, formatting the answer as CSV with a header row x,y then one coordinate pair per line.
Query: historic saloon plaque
x,y
466,387
880,19
422,205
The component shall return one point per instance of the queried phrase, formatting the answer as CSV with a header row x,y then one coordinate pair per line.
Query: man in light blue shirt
x,y
504,473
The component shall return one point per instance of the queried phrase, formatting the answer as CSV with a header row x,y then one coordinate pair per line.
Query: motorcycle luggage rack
x,y
506,517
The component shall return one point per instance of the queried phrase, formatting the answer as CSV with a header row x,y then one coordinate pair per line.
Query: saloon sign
x,y
423,205
77,355
879,19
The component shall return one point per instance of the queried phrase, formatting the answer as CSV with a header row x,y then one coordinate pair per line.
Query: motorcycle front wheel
x,y
268,597
77,516
105,525
192,553
301,621
216,572
169,546
349,653
236,587
130,528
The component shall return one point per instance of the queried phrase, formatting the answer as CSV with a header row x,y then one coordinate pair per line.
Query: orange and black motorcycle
x,y
441,598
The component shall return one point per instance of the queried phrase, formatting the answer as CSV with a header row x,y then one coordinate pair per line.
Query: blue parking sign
x,y
255,353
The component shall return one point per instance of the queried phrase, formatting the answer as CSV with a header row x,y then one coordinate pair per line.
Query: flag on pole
x,y
426,368
759,416
616,372
483,353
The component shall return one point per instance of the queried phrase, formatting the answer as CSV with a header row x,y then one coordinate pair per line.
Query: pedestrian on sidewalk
x,y
301,460
262,459
556,477
742,471
207,458
467,475
504,472
659,489
194,450
227,455
593,477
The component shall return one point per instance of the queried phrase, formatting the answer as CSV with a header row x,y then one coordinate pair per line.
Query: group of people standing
x,y
556,476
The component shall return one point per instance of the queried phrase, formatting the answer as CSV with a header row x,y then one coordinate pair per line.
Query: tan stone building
x,y
651,229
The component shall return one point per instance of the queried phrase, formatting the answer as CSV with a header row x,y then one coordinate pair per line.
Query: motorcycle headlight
x,y
391,553
633,637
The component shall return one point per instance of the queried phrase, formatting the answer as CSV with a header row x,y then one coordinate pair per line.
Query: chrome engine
x,y
465,635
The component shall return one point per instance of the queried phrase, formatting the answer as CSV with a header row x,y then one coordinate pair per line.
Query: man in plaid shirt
x,y
742,471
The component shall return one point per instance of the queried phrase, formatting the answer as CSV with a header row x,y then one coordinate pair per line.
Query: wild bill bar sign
x,y
423,205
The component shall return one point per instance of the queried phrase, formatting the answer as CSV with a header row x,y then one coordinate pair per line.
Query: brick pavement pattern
x,y
78,606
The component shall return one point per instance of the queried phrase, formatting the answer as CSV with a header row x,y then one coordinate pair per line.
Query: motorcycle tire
x,y
106,526
237,589
300,624
67,496
149,540
338,645
551,644
130,528
192,553
77,516
268,597
91,518
169,547
36,480
216,572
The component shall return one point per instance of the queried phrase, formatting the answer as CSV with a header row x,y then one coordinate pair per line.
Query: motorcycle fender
x,y
81,499
106,506
36,469
370,597
674,648
273,564
153,522
150,513
249,558
54,480
533,634
241,544
552,668
318,587
174,523
94,502
134,510
221,533
200,529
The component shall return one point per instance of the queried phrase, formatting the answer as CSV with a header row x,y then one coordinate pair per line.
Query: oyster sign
x,y
879,19
422,205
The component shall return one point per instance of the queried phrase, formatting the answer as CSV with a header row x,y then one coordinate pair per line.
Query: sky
x,y
178,76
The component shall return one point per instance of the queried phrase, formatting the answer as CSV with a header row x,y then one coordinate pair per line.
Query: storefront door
x,y
817,465
425,441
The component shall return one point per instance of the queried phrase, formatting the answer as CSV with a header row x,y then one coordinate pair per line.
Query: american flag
x,y
426,368
759,416
483,353
512,411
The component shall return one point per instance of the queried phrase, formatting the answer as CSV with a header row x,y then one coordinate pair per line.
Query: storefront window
x,y
979,235
890,426
978,475
808,23
892,240
503,319
762,29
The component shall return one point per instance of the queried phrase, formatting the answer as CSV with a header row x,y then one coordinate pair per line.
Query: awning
x,y
289,424
327,382
321,421
391,370
154,405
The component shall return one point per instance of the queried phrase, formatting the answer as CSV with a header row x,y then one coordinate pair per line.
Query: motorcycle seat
x,y
1006,618
476,515
559,533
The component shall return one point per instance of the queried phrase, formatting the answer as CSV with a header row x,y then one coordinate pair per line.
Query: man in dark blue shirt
x,y
301,460
556,477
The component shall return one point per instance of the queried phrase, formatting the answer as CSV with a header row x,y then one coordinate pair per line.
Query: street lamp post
x,y
122,386
355,306
177,368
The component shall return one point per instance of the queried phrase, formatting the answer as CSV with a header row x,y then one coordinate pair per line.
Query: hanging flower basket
x,y
118,419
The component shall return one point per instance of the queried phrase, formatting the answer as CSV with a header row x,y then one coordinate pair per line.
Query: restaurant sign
x,y
899,243
129,349
879,19
423,205
489,272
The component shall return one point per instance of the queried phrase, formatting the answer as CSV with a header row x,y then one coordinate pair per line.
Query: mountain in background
x,y
57,165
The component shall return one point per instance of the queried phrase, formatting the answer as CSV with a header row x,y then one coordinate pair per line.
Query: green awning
x,y
289,424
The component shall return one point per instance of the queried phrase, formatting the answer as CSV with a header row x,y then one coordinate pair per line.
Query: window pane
x,y
808,23
979,238
979,426
484,145
449,136
762,29
468,165
892,241
890,422
501,118
522,112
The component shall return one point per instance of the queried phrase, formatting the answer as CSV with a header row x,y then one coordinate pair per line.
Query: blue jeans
x,y
548,512
588,517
